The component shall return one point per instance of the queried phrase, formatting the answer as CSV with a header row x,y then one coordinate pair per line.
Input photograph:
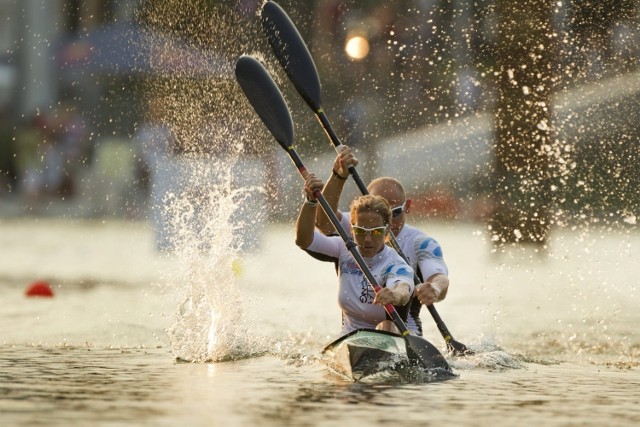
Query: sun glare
x,y
357,47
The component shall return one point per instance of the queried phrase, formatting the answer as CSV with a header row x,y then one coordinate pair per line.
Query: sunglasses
x,y
395,212
375,231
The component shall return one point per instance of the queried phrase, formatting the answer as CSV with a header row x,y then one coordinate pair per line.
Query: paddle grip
x,y
328,129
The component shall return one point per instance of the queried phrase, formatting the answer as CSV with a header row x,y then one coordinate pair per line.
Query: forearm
x,y
305,225
331,192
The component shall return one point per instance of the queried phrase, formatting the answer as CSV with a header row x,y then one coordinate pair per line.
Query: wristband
x,y
333,171
308,201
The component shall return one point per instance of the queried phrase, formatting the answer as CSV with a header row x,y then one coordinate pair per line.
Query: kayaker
x,y
370,218
423,252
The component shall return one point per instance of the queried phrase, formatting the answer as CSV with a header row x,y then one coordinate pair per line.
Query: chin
x,y
369,252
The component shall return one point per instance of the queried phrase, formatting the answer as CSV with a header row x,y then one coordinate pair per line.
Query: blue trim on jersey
x,y
426,243
404,272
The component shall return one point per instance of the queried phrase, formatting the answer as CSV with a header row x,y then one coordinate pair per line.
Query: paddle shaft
x,y
328,130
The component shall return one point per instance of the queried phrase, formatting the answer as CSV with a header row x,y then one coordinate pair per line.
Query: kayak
x,y
367,352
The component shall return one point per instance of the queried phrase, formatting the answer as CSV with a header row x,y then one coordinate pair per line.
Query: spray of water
x,y
212,207
207,240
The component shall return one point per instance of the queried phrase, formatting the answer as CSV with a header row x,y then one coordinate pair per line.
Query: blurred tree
x,y
522,120
591,29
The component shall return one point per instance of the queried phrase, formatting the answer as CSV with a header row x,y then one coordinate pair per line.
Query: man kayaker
x,y
422,251
370,217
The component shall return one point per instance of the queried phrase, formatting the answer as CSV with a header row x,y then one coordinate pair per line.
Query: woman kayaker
x,y
423,251
370,218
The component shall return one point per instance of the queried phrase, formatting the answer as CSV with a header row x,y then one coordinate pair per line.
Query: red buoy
x,y
39,288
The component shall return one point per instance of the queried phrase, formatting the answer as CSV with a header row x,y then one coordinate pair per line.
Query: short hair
x,y
371,203
387,182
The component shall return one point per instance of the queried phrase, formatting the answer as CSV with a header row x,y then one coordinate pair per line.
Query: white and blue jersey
x,y
355,295
423,253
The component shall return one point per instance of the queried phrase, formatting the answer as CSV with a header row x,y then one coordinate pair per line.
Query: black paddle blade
x,y
426,354
458,349
292,53
265,98
455,347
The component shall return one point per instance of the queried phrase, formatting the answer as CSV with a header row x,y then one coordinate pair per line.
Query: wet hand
x,y
343,161
385,296
311,185
427,294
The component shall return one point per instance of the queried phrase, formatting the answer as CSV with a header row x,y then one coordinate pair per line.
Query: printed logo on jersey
x,y
366,292
350,266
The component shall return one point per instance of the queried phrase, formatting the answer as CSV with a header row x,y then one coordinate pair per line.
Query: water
x,y
556,333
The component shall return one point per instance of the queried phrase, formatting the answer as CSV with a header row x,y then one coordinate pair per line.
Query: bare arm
x,y
333,188
306,217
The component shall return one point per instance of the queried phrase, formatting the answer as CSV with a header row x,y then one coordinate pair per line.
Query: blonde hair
x,y
370,203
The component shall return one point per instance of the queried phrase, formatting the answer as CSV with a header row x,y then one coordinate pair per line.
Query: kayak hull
x,y
365,352
370,353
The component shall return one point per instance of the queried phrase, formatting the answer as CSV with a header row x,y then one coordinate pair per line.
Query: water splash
x,y
487,355
214,213
208,235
